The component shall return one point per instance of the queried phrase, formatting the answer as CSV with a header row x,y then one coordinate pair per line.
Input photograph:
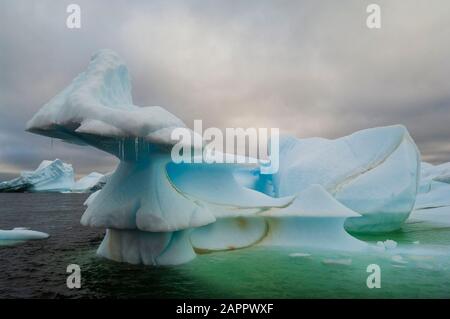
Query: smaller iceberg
x,y
90,183
20,234
50,176
434,189
433,199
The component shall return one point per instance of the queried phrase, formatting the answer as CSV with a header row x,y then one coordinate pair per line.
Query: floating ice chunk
x,y
22,234
387,244
399,259
50,176
390,244
337,261
299,255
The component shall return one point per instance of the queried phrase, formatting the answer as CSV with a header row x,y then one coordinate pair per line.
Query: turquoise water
x,y
422,271
38,269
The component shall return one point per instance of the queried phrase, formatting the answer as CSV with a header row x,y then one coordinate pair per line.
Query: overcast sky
x,y
311,68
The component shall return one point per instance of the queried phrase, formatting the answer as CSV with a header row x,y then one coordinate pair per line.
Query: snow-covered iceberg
x,y
158,212
50,176
90,183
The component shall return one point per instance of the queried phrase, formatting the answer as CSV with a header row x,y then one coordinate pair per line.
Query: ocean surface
x,y
418,268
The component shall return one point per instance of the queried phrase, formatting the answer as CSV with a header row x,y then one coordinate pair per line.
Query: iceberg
x,y
89,183
50,176
139,205
158,212
20,234
433,199
434,190
374,172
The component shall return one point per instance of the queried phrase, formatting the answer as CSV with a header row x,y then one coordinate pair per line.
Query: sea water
x,y
419,267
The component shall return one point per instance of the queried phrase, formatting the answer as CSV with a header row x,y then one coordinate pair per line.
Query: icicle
x,y
136,147
123,148
120,149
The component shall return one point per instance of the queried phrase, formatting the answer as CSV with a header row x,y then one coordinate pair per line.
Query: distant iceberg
x,y
50,176
434,190
54,176
157,212
89,183
433,199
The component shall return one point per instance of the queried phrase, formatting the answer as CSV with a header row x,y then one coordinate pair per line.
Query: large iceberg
x,y
158,212
50,176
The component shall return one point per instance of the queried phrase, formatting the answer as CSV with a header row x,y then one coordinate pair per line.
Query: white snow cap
x,y
98,105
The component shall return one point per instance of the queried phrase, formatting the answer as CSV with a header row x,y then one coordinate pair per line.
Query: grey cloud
x,y
311,68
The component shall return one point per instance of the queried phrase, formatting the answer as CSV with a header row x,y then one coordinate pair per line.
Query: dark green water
x,y
37,269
